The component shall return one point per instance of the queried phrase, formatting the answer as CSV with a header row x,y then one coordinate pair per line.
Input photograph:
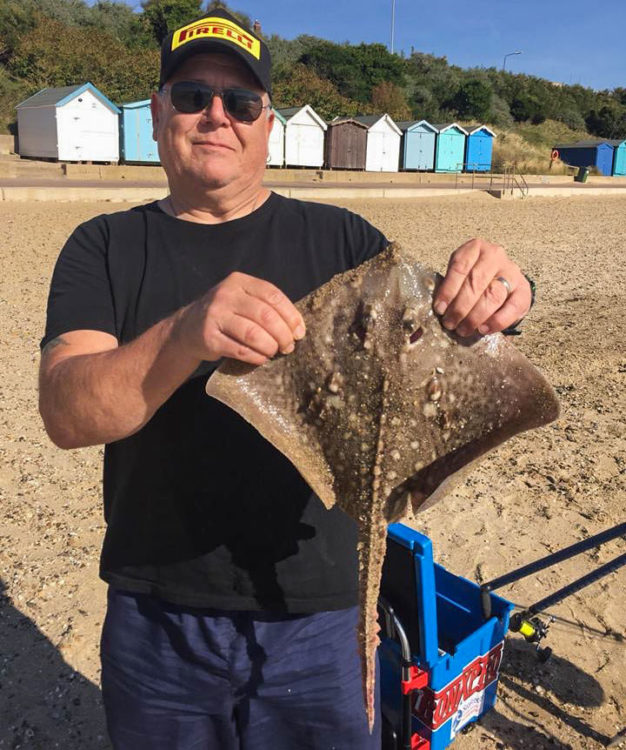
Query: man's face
x,y
211,148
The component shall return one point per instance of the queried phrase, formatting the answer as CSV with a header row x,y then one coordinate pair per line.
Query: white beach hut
x,y
304,137
72,123
277,141
383,143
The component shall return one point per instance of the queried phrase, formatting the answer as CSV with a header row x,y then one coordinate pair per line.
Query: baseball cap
x,y
218,31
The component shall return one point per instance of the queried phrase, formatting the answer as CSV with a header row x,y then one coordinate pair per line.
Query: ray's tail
x,y
371,548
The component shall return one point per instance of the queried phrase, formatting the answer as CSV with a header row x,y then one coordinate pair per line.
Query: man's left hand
x,y
473,296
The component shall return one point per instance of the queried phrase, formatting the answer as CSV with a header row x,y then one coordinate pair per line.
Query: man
x,y
232,598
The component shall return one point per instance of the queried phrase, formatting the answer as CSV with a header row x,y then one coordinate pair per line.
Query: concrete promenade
x,y
29,180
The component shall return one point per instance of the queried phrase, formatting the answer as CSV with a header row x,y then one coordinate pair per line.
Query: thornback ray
x,y
380,407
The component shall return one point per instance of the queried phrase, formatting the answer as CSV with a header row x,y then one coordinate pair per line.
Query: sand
x,y
536,494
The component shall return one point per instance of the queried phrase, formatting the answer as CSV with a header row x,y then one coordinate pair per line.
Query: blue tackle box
x,y
439,657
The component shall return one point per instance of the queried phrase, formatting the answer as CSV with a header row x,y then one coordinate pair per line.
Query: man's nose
x,y
215,111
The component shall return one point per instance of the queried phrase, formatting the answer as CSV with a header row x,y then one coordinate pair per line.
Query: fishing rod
x,y
527,622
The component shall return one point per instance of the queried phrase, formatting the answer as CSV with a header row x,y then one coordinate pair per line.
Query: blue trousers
x,y
178,678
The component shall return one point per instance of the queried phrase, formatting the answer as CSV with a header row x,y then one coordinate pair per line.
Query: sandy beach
x,y
538,493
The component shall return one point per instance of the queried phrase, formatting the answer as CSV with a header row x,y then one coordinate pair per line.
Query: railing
x,y
470,169
509,180
512,181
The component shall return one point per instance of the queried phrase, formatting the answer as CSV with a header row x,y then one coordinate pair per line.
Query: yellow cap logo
x,y
218,28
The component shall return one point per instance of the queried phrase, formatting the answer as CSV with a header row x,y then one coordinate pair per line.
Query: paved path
x,y
64,189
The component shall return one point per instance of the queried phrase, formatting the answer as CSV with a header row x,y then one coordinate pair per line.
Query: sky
x,y
568,41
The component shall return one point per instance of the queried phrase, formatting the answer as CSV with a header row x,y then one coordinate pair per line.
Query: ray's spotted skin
x,y
381,406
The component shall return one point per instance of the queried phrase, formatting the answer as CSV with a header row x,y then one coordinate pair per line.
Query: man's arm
x,y
93,391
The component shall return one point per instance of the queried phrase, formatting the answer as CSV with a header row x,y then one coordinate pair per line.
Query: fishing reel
x,y
533,630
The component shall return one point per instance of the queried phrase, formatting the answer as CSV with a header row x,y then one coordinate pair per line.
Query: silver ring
x,y
502,280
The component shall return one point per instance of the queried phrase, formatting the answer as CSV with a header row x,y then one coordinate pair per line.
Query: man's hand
x,y
471,298
243,318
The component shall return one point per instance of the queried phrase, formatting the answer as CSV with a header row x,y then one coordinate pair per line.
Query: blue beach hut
x,y
479,148
619,157
136,134
450,148
418,145
588,154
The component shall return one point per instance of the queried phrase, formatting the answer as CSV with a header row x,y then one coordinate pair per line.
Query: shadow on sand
x,y
44,703
524,677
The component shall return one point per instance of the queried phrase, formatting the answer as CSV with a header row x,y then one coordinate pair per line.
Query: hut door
x,y
349,147
353,154
375,151
93,140
306,145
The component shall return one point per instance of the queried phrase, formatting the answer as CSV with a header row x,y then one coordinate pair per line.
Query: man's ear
x,y
155,110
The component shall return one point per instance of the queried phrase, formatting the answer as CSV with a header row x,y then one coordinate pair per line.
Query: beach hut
x,y
72,123
304,136
619,157
417,149
450,148
478,148
587,154
136,142
276,144
383,143
346,142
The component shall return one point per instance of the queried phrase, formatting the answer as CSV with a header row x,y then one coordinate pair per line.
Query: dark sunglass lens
x,y
243,105
190,97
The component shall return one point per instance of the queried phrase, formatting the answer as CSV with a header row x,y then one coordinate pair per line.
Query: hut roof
x,y
371,120
442,126
344,120
136,105
406,124
60,96
475,127
288,112
582,144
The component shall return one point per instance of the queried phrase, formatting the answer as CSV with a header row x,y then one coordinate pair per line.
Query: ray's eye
x,y
411,326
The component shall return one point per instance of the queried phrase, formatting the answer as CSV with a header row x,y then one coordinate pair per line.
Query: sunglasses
x,y
189,97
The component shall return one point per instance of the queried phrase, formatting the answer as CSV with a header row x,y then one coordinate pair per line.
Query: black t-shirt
x,y
200,509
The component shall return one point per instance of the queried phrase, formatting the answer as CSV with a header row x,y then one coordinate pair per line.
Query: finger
x,y
477,280
250,334
269,319
273,296
229,347
491,300
461,262
514,309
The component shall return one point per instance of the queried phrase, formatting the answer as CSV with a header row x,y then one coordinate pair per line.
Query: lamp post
x,y
519,52
393,21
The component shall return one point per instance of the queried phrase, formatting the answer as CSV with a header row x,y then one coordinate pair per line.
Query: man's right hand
x,y
243,318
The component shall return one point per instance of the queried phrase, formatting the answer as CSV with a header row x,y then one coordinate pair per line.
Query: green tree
x,y
304,86
355,70
118,20
56,55
286,52
500,112
473,100
162,16
388,97
527,107
608,122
